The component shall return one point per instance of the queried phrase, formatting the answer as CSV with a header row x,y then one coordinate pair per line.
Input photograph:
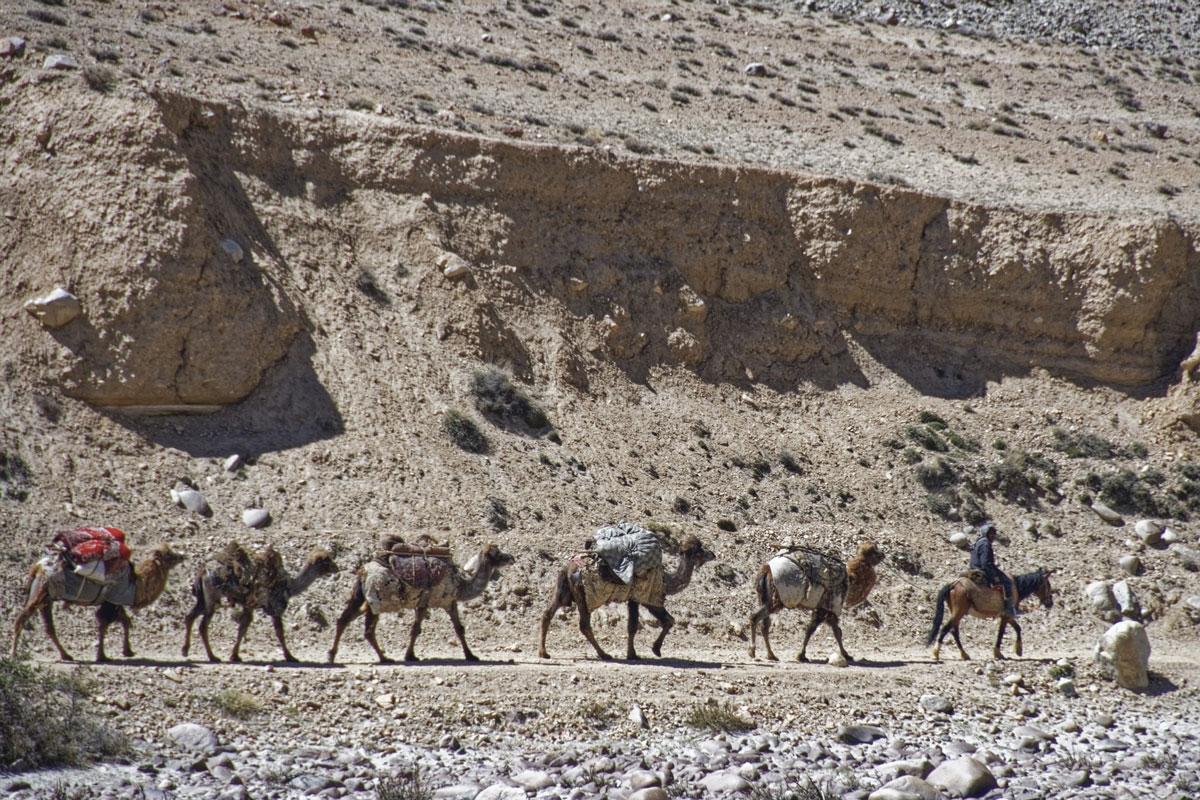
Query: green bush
x,y
504,403
927,438
1078,444
932,420
44,721
463,431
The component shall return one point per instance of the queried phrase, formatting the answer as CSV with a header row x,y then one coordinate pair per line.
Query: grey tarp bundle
x,y
73,588
627,549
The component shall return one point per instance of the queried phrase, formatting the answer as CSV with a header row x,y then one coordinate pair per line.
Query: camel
x,y
966,596
580,584
436,583
811,579
245,583
47,584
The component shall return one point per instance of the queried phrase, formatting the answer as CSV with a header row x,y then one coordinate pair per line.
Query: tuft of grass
x,y
932,420
504,403
789,462
927,438
14,477
936,474
713,716
44,721
236,703
1062,671
404,784
1080,444
599,714
368,285
1022,475
463,431
99,78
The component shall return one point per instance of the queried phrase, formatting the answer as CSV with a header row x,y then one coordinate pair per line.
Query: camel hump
x,y
420,571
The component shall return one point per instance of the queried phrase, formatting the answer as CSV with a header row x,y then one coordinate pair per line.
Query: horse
x,y
964,597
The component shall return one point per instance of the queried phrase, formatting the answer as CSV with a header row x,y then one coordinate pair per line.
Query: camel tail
x,y
560,593
762,586
940,614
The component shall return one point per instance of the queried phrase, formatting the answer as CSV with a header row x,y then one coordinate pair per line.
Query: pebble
x,y
936,704
256,518
60,61
453,266
1131,564
860,734
233,463
755,69
637,717
192,500
11,46
1107,514
1149,532
963,777
232,249
727,782
960,540
907,787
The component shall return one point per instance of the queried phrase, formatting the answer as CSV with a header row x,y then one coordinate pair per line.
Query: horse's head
x,y
1044,591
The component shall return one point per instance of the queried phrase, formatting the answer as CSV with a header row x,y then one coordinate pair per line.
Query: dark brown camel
x,y
245,583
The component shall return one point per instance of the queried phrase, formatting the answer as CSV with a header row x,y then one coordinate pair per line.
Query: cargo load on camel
x,y
422,565
627,550
91,565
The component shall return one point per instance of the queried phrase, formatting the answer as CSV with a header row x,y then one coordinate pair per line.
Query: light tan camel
x,y
580,584
434,583
806,578
246,582
46,586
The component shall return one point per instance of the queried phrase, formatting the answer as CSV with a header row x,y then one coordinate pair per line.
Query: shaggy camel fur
x,y
246,582
580,584
149,580
817,581
966,597
378,590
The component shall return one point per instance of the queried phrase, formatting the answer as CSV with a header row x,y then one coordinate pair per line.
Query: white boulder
x,y
1124,653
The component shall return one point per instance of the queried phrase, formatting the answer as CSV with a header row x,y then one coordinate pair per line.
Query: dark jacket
x,y
982,557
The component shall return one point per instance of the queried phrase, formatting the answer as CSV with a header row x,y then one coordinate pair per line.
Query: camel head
x,y
694,550
320,559
165,557
493,555
870,553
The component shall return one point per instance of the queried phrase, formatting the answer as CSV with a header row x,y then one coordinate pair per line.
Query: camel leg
x,y
48,624
197,610
836,627
766,632
277,623
205,619
354,607
817,618
460,631
243,625
631,629
666,622
419,616
369,634
585,627
547,617
755,619
105,616
23,617
126,624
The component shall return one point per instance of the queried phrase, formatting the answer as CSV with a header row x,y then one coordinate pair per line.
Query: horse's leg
x,y
585,627
666,623
369,634
277,623
631,628
817,618
836,627
48,624
460,631
958,641
354,607
243,625
1017,628
996,654
419,615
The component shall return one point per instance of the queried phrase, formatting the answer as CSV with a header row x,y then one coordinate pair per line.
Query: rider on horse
x,y
984,560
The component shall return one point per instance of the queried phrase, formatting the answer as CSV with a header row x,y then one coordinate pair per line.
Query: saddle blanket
x,y
420,572
118,587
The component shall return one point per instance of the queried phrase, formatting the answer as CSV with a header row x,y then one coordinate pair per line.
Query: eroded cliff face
x,y
575,257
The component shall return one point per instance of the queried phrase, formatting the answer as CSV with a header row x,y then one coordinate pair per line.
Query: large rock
x,y
650,793
963,777
534,779
256,518
724,782
1127,601
1103,604
1108,515
191,736
1149,532
192,500
860,734
1124,653
56,309
1188,557
907,787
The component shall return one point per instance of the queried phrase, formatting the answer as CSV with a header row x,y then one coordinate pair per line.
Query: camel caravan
x,y
621,563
